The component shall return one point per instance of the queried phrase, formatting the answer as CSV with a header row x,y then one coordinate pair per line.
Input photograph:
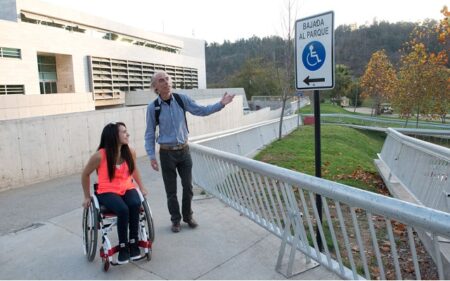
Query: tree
x,y
343,83
443,30
439,88
369,39
379,80
422,83
256,77
223,60
412,83
442,96
285,77
227,59
355,94
423,76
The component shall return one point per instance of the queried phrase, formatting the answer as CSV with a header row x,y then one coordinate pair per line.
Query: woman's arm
x,y
91,166
137,175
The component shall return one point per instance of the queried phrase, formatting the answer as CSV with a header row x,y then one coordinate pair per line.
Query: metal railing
x,y
247,141
367,235
376,121
421,167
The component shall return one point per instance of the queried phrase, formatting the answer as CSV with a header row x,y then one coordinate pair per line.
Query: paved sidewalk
x,y
364,110
40,238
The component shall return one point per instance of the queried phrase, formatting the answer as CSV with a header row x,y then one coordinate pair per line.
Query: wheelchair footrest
x,y
145,244
140,258
109,253
112,251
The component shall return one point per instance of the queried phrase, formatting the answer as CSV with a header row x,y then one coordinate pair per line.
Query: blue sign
x,y
313,55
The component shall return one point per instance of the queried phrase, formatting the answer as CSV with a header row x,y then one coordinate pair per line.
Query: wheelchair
x,y
97,218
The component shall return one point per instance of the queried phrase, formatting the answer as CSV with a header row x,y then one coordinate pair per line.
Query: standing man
x,y
168,111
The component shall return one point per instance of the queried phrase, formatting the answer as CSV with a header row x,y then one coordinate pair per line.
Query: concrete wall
x,y
24,106
41,148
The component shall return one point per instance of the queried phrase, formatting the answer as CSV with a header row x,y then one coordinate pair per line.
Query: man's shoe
x,y
176,227
191,222
135,252
124,254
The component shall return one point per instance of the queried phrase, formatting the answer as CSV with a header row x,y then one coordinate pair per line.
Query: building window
x,y
47,74
48,87
12,90
112,75
10,53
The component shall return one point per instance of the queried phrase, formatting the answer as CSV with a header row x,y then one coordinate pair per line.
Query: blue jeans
x,y
171,162
126,208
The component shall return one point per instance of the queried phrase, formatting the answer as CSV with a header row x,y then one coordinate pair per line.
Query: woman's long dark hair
x,y
110,142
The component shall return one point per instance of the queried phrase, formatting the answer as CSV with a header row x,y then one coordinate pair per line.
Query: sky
x,y
219,20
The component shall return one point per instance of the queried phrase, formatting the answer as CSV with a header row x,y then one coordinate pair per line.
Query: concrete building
x,y
47,49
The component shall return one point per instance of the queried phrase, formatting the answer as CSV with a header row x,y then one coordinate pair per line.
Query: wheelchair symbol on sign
x,y
313,55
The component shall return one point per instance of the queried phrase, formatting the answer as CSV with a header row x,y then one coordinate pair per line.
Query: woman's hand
x,y
144,191
87,202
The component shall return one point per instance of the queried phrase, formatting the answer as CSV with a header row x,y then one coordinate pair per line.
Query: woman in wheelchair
x,y
115,163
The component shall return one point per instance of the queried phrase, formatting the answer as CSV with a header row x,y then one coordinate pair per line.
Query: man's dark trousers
x,y
171,162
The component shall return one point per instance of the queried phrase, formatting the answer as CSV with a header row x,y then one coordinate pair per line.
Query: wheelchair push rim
x,y
149,222
90,231
149,230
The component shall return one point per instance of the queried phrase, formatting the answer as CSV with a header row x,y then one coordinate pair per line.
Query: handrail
x,y
277,199
437,150
394,208
379,120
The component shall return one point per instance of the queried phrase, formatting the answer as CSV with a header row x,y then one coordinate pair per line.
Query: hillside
x,y
353,48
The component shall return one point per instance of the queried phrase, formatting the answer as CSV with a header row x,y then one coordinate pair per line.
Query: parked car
x,y
386,108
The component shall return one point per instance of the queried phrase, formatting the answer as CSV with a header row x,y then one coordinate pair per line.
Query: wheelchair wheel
x,y
90,231
149,219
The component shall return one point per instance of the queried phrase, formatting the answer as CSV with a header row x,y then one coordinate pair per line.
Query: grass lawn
x,y
347,154
325,108
347,157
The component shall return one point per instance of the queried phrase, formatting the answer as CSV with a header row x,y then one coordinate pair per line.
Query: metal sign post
x,y
314,56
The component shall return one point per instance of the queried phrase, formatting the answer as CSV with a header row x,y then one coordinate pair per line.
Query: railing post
x,y
284,241
292,219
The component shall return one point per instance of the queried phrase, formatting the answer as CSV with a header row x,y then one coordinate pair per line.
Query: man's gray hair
x,y
157,74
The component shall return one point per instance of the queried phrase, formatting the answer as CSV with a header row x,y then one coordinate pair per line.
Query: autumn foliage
x,y
423,88
379,80
422,85
444,28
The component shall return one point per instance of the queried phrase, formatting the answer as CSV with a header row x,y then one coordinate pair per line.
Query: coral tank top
x,y
121,182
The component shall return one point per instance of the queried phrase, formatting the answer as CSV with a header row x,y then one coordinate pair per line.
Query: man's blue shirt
x,y
172,126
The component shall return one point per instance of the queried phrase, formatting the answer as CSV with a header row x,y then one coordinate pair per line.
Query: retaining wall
x,y
41,148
